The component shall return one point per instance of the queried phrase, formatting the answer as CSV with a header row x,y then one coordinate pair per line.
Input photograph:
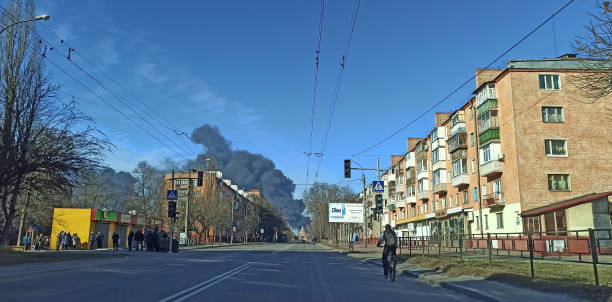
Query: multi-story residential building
x,y
527,153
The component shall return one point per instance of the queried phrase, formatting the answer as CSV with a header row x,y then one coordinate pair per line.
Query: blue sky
x,y
247,66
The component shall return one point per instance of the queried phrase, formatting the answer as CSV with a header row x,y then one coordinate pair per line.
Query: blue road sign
x,y
172,195
378,186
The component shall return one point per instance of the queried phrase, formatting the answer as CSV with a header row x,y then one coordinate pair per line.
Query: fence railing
x,y
588,246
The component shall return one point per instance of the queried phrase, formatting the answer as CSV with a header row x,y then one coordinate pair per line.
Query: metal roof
x,y
565,204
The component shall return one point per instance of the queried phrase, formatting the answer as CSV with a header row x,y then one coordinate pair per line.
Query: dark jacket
x,y
115,238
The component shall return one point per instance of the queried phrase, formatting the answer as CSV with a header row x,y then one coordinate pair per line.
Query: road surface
x,y
269,272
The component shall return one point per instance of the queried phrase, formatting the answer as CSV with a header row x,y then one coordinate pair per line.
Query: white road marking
x,y
187,293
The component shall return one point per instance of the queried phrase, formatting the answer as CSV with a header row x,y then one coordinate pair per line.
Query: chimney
x,y
411,142
441,118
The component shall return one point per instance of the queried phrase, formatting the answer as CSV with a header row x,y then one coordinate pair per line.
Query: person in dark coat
x,y
130,238
115,241
156,240
67,243
92,238
99,239
60,238
149,241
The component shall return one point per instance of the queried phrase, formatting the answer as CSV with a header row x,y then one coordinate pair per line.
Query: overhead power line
x,y
314,91
339,81
466,82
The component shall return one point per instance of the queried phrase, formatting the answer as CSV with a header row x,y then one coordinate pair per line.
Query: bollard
x,y
530,248
489,246
594,255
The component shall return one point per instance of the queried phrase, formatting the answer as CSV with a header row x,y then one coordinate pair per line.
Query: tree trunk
x,y
20,227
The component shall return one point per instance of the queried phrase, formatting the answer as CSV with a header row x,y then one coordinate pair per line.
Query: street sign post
x,y
378,186
172,195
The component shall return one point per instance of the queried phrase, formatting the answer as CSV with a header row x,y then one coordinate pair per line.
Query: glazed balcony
x,y
439,188
490,168
423,195
490,104
457,141
411,199
486,93
489,135
461,180
459,154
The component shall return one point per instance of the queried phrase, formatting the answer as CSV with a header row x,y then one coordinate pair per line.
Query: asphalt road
x,y
274,272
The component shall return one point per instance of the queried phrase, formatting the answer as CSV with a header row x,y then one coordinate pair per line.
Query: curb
x,y
474,293
209,246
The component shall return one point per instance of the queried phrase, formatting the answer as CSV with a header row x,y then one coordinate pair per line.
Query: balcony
x,y
461,180
457,128
490,168
421,146
490,134
410,175
458,141
460,154
411,199
422,174
423,195
439,188
490,104
441,164
486,93
494,199
392,207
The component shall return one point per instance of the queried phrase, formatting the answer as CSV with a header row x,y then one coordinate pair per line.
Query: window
x,y
475,194
471,113
497,190
422,165
553,115
426,207
531,224
486,154
484,190
434,135
393,171
476,219
550,82
472,139
459,167
486,222
444,202
450,201
556,147
473,166
436,177
500,220
559,182
421,184
435,155
465,196
401,180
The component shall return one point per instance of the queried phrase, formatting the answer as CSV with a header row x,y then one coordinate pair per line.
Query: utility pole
x,y
187,205
365,208
379,214
477,142
173,218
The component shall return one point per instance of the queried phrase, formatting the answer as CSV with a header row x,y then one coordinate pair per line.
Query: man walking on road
x,y
390,239
115,241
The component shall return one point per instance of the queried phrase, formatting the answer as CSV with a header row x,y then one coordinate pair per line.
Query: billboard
x,y
346,212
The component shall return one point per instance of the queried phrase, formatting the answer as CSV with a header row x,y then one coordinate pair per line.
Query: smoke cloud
x,y
250,171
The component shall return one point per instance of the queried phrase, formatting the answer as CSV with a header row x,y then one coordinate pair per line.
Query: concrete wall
x,y
73,221
579,217
510,212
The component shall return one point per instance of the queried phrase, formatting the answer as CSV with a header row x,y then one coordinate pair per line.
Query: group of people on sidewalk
x,y
66,241
35,242
151,240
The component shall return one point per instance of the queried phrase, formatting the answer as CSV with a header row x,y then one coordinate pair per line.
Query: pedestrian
x,y
92,237
60,239
115,241
46,243
156,240
99,239
76,241
139,237
25,242
130,238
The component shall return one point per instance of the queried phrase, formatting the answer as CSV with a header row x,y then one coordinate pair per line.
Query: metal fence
x,y
587,246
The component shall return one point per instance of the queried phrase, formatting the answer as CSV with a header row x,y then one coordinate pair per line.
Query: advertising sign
x,y
346,212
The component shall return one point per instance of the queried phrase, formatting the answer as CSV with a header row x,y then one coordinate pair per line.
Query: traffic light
x,y
200,177
172,209
347,168
379,203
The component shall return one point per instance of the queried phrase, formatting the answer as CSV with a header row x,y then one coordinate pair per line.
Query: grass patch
x,y
12,258
570,278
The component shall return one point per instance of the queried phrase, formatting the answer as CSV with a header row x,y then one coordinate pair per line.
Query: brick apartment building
x,y
528,152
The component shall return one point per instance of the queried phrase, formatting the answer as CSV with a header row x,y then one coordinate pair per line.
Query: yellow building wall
x,y
580,217
73,221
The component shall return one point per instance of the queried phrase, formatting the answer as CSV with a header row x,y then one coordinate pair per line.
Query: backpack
x,y
390,239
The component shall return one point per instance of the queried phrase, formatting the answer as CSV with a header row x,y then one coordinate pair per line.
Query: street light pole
x,y
37,18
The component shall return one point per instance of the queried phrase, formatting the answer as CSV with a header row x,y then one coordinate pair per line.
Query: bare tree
x,y
148,195
596,80
41,138
317,200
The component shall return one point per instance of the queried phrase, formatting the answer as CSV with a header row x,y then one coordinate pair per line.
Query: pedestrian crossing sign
x,y
378,186
171,195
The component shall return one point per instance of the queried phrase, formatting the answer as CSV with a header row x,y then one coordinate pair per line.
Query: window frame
x,y
547,108
548,144
543,79
500,220
486,149
569,183
472,139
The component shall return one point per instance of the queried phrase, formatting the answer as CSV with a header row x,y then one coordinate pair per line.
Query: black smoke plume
x,y
250,171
